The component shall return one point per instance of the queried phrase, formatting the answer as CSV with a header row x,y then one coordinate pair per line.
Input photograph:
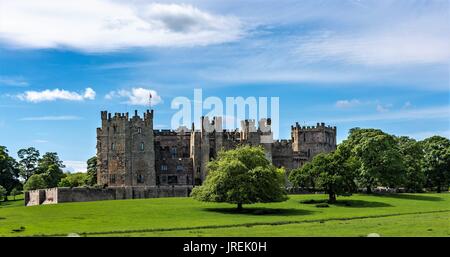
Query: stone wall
x,y
84,194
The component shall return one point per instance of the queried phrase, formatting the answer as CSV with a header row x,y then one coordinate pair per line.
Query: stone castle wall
x,y
84,194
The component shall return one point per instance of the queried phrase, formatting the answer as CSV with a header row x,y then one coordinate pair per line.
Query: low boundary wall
x,y
87,194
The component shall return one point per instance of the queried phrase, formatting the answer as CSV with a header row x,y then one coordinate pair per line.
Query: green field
x,y
357,215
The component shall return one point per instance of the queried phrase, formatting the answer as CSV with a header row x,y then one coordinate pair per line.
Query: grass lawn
x,y
357,215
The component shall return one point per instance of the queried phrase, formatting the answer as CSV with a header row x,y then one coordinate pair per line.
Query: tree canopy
x,y
242,176
436,162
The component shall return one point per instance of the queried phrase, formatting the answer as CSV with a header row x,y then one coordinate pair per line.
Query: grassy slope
x,y
144,216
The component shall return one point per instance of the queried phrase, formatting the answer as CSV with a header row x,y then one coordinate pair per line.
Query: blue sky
x,y
381,64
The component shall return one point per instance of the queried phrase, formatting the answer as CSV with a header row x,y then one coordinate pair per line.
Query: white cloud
x,y
136,96
56,94
104,25
409,42
51,118
383,108
13,81
347,103
40,141
75,166
442,112
89,93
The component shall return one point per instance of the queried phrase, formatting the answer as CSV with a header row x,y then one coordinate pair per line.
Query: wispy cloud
x,y
51,118
442,112
104,25
13,81
75,166
40,141
56,94
136,96
347,103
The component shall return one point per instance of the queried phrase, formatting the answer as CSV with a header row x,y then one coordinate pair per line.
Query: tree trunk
x,y
239,206
369,189
331,197
438,188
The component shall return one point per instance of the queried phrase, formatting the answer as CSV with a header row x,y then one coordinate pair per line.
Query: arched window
x,y
139,130
142,146
113,146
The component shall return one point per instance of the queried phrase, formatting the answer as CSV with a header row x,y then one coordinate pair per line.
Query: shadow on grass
x,y
349,203
260,211
411,197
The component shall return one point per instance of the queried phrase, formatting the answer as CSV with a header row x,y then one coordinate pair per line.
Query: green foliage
x,y
74,180
14,192
3,193
412,154
436,162
28,162
330,172
9,172
50,166
379,155
92,171
36,181
242,176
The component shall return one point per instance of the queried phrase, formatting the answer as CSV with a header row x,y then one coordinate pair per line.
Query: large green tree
x,y
28,162
36,181
242,176
74,180
50,166
332,172
436,163
379,155
92,171
9,171
412,154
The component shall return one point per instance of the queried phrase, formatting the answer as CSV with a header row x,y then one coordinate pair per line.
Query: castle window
x,y
180,168
304,137
198,170
115,128
139,130
113,146
173,152
142,146
164,180
309,152
164,167
140,178
112,179
172,179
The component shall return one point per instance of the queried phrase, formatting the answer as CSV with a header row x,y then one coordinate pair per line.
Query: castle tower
x,y
125,150
308,141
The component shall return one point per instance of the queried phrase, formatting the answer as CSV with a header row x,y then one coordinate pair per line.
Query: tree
x,y
436,164
74,180
3,193
332,172
36,181
92,171
29,158
412,154
9,172
50,166
379,156
242,176
14,192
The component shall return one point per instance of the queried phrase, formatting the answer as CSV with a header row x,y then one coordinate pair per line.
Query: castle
x,y
136,161
131,153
